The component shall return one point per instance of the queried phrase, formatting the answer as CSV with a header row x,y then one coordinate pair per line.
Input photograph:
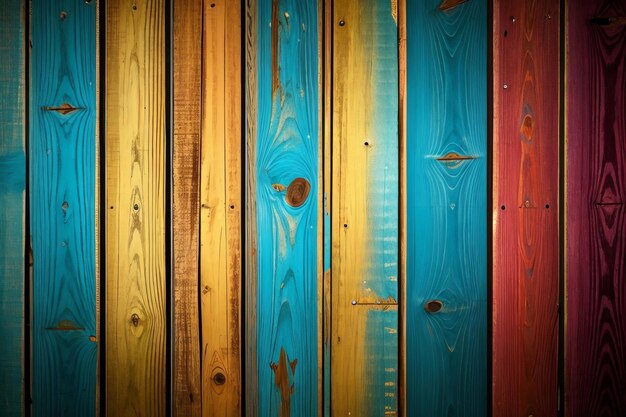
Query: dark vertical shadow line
x,y
562,206
243,202
490,138
102,26
169,333
27,284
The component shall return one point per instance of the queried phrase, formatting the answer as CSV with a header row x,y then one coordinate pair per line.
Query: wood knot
x,y
297,192
527,127
63,109
450,4
134,319
433,306
219,378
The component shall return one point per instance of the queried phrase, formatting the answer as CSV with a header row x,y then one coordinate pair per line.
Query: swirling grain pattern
x,y
63,215
595,343
135,205
287,148
525,208
364,261
12,184
446,347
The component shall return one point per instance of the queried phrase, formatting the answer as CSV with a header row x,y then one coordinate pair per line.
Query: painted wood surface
x,y
12,185
187,385
135,205
220,213
62,157
525,207
284,204
595,351
446,280
364,360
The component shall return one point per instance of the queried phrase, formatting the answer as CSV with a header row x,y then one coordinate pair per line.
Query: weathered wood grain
x,y
187,93
595,351
364,360
12,185
220,213
284,203
135,202
446,280
62,158
525,207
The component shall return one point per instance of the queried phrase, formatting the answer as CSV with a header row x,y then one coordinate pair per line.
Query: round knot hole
x,y
433,306
219,378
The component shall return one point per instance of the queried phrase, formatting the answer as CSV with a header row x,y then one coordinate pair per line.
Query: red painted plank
x,y
525,207
595,355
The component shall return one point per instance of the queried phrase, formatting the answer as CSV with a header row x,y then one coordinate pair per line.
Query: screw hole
x,y
342,23
506,33
547,206
503,207
212,5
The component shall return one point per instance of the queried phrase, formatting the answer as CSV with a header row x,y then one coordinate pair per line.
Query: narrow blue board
x,y
12,183
446,281
62,159
287,146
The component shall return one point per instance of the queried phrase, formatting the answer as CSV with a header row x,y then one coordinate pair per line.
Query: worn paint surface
x,y
446,344
220,209
525,207
12,184
187,58
287,148
62,173
135,205
364,263
595,341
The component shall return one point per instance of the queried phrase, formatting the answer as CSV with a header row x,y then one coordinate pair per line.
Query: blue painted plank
x,y
62,200
12,182
446,281
287,148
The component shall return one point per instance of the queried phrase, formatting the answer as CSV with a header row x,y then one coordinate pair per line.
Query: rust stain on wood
x,y
275,67
63,109
282,379
297,192
65,325
450,4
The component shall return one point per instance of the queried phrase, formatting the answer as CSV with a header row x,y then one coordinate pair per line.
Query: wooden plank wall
x,y
283,84
595,351
135,202
187,92
446,279
364,261
525,207
221,209
12,186
63,216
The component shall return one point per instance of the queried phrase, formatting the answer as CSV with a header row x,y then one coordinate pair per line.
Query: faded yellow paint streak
x,y
135,201
220,213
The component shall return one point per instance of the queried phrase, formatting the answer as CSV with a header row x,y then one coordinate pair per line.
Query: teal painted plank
x,y
12,182
446,350
287,146
62,200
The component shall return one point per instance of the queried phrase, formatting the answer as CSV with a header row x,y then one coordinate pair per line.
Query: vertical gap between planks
x,y
490,203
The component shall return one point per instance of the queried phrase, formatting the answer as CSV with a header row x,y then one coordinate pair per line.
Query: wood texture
x,y
62,157
364,360
525,207
12,185
446,280
595,351
186,206
220,214
286,147
135,202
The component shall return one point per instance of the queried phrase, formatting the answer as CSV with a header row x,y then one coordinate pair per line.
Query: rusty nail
x,y
513,19
354,302
505,86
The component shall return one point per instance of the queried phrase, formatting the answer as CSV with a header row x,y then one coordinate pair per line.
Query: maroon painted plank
x,y
595,361
525,207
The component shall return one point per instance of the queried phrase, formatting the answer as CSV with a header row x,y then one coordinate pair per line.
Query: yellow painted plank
x,y
135,197
187,401
220,213
364,363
